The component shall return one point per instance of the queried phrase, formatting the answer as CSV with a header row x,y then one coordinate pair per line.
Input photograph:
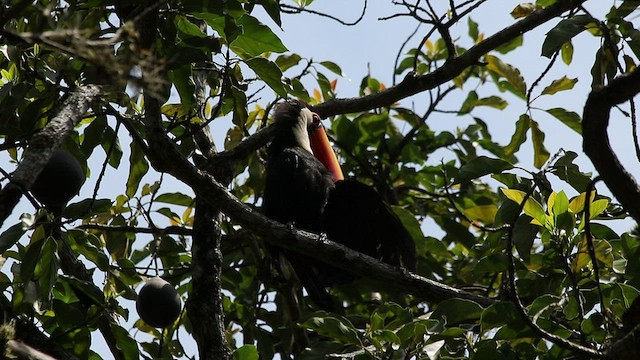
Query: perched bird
x,y
305,187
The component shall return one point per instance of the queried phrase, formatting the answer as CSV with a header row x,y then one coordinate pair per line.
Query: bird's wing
x,y
357,217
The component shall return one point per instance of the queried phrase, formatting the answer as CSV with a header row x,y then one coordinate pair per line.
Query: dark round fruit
x,y
158,303
59,181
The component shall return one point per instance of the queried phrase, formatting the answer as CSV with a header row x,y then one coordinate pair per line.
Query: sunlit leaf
x,y
602,249
577,204
523,10
509,72
561,84
532,207
483,213
566,52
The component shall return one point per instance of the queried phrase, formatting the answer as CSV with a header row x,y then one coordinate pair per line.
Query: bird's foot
x,y
323,238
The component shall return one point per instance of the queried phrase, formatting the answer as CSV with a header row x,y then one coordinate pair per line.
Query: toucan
x,y
305,187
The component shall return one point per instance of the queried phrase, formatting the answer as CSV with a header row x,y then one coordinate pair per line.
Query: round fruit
x,y
60,180
158,303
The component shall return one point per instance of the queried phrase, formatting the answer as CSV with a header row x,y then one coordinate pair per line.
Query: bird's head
x,y
299,126
292,119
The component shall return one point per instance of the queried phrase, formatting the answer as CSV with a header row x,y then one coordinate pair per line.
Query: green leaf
x,y
454,311
246,352
31,257
175,199
46,273
566,52
519,136
563,32
532,207
87,207
497,315
269,73
559,85
410,222
513,44
138,168
469,103
602,249
473,30
512,74
495,102
335,327
565,169
126,343
333,67
11,236
483,213
558,203
111,146
188,28
272,7
256,39
524,236
598,207
285,62
569,118
540,153
181,79
481,166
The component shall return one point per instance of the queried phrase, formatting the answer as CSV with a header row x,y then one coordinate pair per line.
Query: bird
x,y
305,187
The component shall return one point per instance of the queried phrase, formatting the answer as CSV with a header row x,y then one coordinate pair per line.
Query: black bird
x,y
312,194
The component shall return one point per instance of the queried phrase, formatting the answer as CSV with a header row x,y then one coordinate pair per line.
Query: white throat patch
x,y
300,129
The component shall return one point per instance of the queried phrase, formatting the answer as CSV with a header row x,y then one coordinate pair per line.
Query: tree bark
x,y
42,146
204,306
595,142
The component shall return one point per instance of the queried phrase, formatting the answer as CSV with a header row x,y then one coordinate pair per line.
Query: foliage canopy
x,y
523,264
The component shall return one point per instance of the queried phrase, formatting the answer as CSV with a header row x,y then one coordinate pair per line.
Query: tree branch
x,y
412,84
204,306
42,146
26,333
595,121
165,157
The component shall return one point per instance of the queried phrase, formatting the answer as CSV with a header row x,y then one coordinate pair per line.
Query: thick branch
x,y
42,145
627,348
26,333
24,351
595,121
204,305
165,157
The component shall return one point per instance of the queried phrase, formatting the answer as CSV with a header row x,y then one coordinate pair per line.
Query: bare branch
x,y
413,84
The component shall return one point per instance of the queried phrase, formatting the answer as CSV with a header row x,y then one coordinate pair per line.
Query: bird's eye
x,y
316,119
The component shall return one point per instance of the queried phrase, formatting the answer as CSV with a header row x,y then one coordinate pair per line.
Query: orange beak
x,y
322,149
